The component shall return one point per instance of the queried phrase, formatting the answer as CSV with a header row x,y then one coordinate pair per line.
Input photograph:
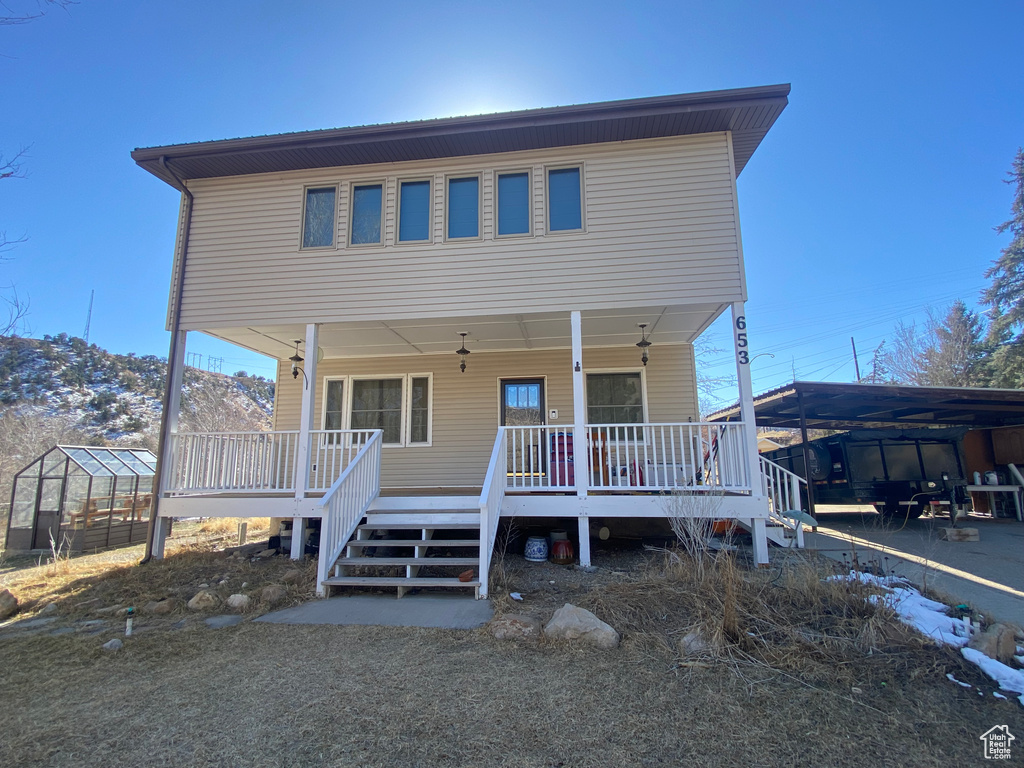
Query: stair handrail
x,y
782,489
491,497
345,504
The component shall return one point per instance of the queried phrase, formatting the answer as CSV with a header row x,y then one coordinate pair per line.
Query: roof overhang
x,y
747,112
830,405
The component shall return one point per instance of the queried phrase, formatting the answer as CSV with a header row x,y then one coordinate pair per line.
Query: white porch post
x,y
581,443
307,420
163,524
746,387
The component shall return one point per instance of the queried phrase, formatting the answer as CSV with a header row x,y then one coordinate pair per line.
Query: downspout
x,y
172,356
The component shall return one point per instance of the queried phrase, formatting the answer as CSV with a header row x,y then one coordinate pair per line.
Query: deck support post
x,y
759,536
303,455
584,527
163,524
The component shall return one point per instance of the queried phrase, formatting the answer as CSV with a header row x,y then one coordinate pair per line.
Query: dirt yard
x,y
831,682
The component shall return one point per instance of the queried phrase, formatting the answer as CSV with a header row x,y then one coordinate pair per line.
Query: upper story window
x,y
318,217
414,211
367,211
565,199
464,207
513,207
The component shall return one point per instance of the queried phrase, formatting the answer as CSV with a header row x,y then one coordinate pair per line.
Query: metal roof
x,y
831,405
747,112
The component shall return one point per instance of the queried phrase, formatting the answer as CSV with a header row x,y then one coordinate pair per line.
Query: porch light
x,y
296,359
462,352
643,343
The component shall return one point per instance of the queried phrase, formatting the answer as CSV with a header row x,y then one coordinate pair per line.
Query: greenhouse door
x,y
48,513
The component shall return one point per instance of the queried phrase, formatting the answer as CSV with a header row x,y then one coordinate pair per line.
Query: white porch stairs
x,y
409,543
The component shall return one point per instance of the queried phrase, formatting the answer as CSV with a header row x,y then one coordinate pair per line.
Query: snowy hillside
x,y
117,399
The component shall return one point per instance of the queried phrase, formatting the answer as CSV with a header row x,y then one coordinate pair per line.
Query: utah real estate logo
x,y
997,742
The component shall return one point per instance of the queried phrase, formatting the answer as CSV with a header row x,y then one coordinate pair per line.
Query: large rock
x,y
162,607
203,601
573,623
112,645
238,602
8,604
292,576
273,593
516,626
996,642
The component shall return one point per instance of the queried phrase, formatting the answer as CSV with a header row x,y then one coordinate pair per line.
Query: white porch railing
x,y
782,488
654,457
491,496
239,462
330,452
346,502
539,458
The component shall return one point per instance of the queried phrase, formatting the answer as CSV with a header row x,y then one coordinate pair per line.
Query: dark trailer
x,y
82,498
899,471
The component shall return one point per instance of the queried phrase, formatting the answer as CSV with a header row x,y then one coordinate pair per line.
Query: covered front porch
x,y
554,415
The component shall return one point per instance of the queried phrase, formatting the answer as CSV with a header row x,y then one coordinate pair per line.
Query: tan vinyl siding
x,y
466,405
660,223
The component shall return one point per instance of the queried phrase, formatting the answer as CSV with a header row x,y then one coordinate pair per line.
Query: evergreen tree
x,y
1005,295
955,353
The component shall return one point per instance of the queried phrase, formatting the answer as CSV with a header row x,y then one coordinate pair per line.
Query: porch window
x,y
377,404
419,410
334,405
565,201
414,211
615,398
366,214
318,218
464,207
513,203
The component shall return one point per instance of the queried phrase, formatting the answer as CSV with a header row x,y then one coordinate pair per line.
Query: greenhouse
x,y
82,498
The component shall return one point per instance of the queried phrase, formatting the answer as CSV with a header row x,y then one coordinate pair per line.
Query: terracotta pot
x,y
562,552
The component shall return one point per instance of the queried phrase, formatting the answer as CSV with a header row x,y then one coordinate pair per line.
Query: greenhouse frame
x,y
76,498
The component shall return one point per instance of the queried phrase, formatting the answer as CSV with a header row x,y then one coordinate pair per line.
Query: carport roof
x,y
831,405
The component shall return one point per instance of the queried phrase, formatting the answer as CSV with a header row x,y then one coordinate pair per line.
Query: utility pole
x,y
88,317
856,364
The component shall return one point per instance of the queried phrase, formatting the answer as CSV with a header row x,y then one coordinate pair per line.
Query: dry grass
x,y
802,673
228,526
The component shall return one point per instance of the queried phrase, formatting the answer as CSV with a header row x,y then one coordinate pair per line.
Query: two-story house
x,y
474,317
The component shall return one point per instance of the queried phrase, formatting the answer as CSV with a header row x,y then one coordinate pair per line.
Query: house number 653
x,y
741,340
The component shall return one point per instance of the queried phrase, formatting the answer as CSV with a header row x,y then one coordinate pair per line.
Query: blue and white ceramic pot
x,y
537,549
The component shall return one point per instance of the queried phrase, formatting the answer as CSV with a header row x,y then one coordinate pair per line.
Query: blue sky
x,y
873,197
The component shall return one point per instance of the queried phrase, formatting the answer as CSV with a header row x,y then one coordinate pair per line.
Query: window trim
x,y
448,177
529,202
399,181
599,371
547,199
383,182
302,221
406,419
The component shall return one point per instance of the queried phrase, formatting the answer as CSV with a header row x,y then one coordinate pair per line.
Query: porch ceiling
x,y
493,333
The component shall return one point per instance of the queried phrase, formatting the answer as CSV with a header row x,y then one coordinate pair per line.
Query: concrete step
x,y
396,581
408,561
414,543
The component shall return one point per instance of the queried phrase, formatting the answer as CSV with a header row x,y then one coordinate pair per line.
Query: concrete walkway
x,y
436,611
988,574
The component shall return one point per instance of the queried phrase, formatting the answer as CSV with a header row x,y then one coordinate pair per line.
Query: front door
x,y
51,492
522,405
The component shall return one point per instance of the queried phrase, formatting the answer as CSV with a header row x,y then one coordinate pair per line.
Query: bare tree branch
x,y
13,12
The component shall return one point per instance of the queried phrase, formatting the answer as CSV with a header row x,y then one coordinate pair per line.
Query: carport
x,y
807,405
